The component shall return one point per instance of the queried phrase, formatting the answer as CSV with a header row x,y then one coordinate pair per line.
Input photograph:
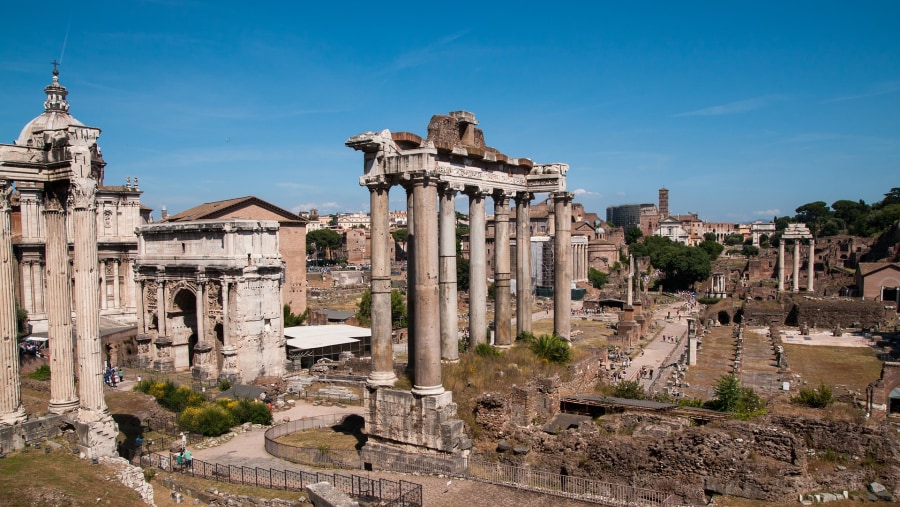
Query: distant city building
x,y
347,221
627,215
670,227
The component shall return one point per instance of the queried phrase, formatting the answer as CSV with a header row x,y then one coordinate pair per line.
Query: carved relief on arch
x,y
214,296
176,287
150,288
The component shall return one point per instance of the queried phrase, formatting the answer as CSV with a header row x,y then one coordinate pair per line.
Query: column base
x,y
427,390
381,379
97,432
17,416
62,407
167,365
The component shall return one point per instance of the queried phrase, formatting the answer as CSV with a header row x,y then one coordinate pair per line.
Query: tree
x,y
734,398
750,251
398,309
323,239
597,278
852,213
764,240
734,239
781,223
712,248
290,319
633,234
709,236
630,389
813,214
400,235
462,273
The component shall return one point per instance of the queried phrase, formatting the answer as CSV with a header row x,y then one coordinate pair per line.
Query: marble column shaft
x,y
382,348
795,283
63,393
410,281
781,265
562,269
117,303
11,409
87,311
477,269
502,299
201,311
448,294
226,317
523,262
811,287
102,282
427,320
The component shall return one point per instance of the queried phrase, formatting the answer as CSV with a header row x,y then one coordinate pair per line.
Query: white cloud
x,y
581,191
873,91
767,212
740,106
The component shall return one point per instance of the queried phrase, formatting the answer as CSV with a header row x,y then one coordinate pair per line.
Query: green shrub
x,y
41,373
252,411
814,398
486,350
224,385
708,301
210,420
551,348
630,389
525,336
742,402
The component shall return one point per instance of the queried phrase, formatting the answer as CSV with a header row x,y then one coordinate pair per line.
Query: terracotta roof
x,y
217,209
866,268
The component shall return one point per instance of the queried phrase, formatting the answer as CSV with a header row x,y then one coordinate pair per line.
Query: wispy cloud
x,y
424,54
581,191
740,106
767,212
323,207
875,90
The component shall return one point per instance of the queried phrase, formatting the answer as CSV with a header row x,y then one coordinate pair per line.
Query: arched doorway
x,y
183,322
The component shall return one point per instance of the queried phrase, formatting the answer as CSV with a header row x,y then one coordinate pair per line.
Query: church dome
x,y
56,113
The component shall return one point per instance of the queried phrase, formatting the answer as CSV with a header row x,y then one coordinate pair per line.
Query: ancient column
x,y
502,309
201,310
811,287
795,283
781,265
226,337
477,269
426,332
382,373
562,269
116,302
98,436
11,409
410,281
448,298
102,268
523,262
63,394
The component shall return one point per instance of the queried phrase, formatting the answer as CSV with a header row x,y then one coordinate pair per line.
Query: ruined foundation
x,y
401,420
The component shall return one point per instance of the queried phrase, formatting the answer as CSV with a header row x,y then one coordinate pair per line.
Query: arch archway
x,y
183,326
724,318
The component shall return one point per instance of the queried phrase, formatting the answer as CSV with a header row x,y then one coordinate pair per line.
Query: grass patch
x,y
59,478
42,372
198,484
853,367
331,438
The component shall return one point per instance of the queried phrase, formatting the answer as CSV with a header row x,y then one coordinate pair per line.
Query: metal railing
x,y
472,468
387,492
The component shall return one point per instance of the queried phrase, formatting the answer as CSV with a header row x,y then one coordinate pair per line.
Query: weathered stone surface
x,y
407,419
323,494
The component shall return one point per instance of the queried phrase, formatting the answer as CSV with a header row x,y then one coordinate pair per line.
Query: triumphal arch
x,y
453,158
58,155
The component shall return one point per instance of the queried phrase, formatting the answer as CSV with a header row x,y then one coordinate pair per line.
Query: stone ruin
x,y
452,158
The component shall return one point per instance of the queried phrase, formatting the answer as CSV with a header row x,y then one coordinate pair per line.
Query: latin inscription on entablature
x,y
473,175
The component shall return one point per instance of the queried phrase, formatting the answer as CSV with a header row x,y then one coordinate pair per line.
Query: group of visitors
x,y
670,339
29,349
113,376
646,372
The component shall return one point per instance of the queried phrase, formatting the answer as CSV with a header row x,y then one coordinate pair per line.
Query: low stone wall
x,y
13,438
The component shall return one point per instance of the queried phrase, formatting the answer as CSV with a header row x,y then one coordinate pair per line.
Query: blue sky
x,y
743,110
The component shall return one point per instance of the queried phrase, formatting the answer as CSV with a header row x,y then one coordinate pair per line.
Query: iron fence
x,y
387,492
472,468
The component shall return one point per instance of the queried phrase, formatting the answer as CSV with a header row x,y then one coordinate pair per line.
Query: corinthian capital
x,y
84,193
6,190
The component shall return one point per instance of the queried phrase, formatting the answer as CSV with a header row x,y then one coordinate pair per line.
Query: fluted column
x,y
523,262
448,296
427,328
63,394
226,317
117,303
141,312
201,310
477,269
103,298
502,309
562,275
87,311
410,280
382,373
781,265
811,287
11,409
795,283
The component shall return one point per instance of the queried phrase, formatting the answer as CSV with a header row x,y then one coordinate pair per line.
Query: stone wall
x,y
404,419
15,437
832,313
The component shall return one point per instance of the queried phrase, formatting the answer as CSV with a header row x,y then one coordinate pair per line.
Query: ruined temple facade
x,y
453,158
56,166
210,294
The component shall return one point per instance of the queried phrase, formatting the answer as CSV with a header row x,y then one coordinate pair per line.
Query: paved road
x,y
658,349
